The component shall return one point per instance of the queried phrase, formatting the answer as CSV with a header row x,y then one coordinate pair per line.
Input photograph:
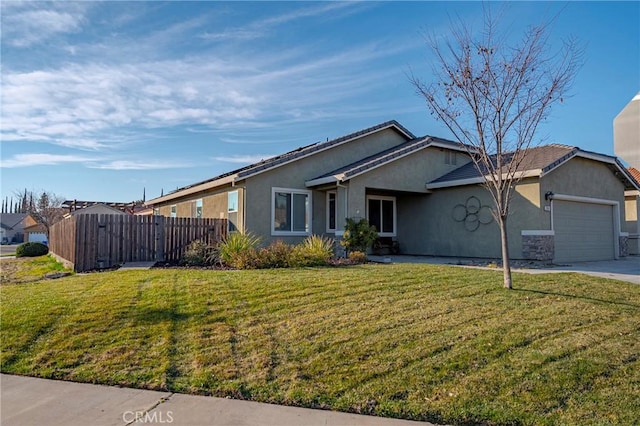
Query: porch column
x,y
342,194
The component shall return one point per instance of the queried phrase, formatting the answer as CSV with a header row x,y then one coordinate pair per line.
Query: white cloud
x,y
81,105
137,165
23,26
244,159
29,160
263,27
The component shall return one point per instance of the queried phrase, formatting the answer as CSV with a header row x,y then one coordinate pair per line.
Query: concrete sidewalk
x,y
29,401
624,269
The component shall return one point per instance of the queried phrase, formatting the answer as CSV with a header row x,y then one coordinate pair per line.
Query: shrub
x,y
358,236
357,257
238,249
315,250
276,255
31,250
198,253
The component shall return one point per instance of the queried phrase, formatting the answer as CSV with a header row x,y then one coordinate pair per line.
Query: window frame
x,y
198,203
173,210
236,211
395,213
450,158
237,201
335,211
308,211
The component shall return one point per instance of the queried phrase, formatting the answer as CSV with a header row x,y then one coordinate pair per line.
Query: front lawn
x,y
436,343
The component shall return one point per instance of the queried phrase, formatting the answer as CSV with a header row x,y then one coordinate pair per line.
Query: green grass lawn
x,y
423,342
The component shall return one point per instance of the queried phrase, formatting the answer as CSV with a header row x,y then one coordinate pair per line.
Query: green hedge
x,y
31,250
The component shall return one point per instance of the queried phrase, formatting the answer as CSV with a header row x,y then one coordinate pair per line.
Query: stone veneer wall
x,y
624,245
537,247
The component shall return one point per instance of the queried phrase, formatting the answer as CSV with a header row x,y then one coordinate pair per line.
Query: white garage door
x,y
583,231
37,237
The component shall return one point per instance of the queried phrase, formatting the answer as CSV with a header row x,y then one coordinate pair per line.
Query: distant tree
x,y
492,96
44,206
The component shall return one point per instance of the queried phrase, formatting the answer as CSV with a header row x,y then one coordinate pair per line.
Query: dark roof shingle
x,y
543,157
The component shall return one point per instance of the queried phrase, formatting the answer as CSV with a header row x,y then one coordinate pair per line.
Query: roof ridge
x,y
266,163
321,145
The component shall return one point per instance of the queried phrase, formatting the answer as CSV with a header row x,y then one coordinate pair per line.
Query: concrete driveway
x,y
624,269
8,249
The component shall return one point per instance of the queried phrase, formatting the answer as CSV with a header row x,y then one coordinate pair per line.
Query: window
x,y
156,211
450,158
199,208
232,211
332,209
381,213
290,212
173,211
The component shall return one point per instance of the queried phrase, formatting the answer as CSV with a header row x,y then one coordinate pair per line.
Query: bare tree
x,y
492,96
44,207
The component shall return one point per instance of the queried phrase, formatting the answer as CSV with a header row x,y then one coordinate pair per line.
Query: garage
x,y
584,231
37,237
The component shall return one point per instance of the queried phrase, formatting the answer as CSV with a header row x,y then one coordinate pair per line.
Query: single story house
x,y
96,208
422,192
35,233
13,226
632,212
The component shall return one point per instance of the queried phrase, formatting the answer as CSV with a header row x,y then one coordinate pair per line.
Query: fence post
x,y
158,222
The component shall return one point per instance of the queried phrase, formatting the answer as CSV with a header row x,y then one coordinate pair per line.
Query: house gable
x,y
538,162
297,155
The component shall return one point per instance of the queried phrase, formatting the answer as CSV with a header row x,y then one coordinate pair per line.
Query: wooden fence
x,y
101,241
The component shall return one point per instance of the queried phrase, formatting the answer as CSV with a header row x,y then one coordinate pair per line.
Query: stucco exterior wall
x,y
407,174
585,178
294,175
632,213
432,224
214,205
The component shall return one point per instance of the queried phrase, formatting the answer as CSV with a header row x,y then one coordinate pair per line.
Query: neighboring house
x,y
13,225
3,233
97,208
422,192
626,143
35,233
632,214
75,205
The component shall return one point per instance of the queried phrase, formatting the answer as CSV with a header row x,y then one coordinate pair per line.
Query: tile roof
x,y
303,151
544,157
635,173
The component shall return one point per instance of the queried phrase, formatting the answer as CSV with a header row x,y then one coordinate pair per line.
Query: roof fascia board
x,y
193,190
342,176
481,179
324,180
609,160
601,158
391,160
275,166
454,146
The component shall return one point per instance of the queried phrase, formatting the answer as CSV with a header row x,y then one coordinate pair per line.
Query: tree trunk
x,y
506,263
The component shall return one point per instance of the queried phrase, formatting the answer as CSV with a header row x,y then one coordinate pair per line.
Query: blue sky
x,y
101,100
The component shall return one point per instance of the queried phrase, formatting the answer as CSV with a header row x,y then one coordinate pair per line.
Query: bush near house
x,y
200,253
358,236
240,250
31,249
